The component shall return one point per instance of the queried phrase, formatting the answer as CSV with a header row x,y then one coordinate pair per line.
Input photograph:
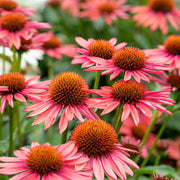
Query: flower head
x,y
169,52
9,6
133,96
67,91
98,49
97,140
13,26
44,161
156,14
109,10
55,48
18,87
128,60
161,177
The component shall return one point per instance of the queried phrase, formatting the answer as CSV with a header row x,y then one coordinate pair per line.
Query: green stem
x,y
19,62
11,124
14,66
64,136
96,83
18,124
157,160
117,120
1,126
157,138
150,128
50,68
4,62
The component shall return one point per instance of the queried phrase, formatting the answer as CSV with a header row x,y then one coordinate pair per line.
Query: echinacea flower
x,y
133,96
100,49
130,61
14,25
98,141
18,87
44,162
108,9
9,6
157,14
161,177
55,48
67,92
169,52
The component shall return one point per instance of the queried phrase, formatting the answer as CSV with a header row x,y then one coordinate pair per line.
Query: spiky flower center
x,y
95,138
14,81
139,131
106,8
52,43
174,81
172,44
44,159
13,22
164,6
101,48
128,91
129,58
68,88
8,5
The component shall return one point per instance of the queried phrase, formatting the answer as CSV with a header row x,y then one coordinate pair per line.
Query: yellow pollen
x,y
139,131
14,81
128,91
8,5
129,58
164,6
52,43
95,138
172,44
106,8
44,159
101,48
174,81
13,22
68,88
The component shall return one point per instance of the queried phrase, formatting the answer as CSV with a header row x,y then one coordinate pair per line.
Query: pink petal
x,y
82,42
144,109
20,97
21,175
69,112
34,176
126,112
63,123
110,107
12,170
78,114
3,103
10,100
98,169
134,114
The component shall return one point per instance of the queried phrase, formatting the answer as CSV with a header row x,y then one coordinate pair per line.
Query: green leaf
x,y
4,146
6,58
2,177
174,121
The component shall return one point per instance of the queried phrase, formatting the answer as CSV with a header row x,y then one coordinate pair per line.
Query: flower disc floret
x,y
174,81
164,6
44,159
139,131
172,44
128,91
68,88
106,8
129,59
101,49
8,5
52,43
14,81
95,138
13,22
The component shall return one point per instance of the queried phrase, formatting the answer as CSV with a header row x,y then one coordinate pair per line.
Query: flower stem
x,y
150,128
96,83
1,126
19,62
14,66
18,124
117,120
11,124
64,136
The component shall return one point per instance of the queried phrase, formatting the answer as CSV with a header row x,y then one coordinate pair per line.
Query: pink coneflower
x,y
131,130
156,15
169,52
55,48
133,96
108,9
18,87
14,25
9,6
161,177
130,61
100,49
97,140
44,162
67,91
